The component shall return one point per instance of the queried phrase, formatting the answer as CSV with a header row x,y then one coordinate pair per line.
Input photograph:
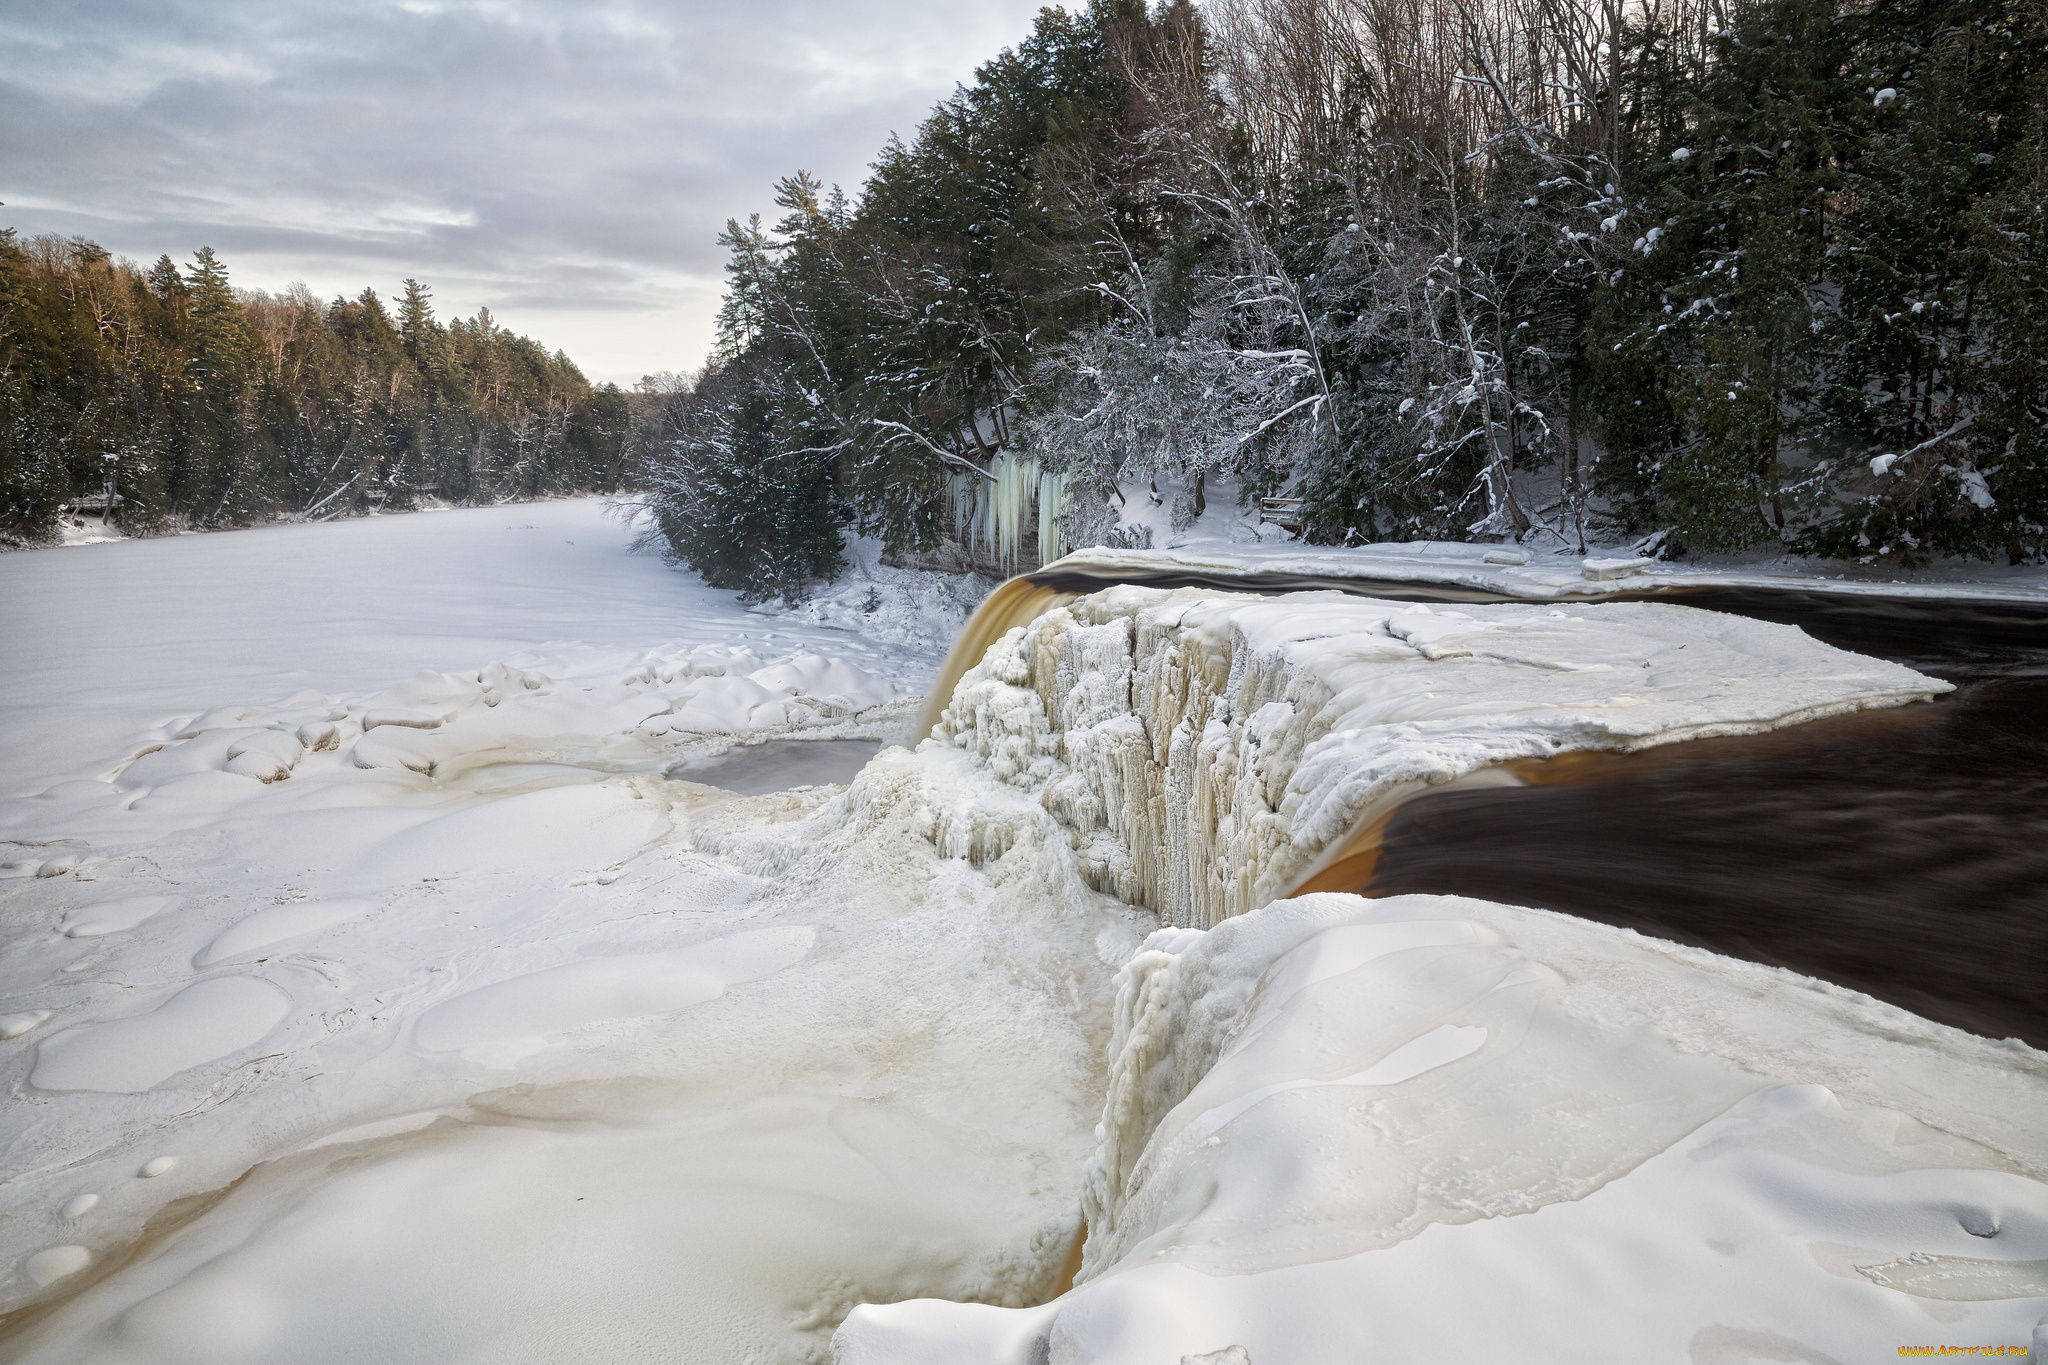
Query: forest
x,y
1695,275
200,405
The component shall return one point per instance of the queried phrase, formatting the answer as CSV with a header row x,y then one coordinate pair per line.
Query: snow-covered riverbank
x,y
419,1015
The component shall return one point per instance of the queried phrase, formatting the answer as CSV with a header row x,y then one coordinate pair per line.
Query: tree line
x,y
202,405
1705,274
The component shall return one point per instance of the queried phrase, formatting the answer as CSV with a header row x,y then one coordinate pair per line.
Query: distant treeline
x,y
207,405
1738,272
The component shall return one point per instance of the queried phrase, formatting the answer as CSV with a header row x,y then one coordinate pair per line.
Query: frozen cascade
x,y
1205,752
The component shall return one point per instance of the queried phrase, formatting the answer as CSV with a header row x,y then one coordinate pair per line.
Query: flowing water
x,y
1902,853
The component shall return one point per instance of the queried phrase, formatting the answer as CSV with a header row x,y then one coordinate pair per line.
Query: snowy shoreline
x,y
503,1037
1482,568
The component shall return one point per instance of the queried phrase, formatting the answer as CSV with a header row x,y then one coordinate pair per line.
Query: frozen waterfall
x,y
1206,752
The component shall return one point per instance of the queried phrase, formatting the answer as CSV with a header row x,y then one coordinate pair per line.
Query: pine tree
x,y
1931,333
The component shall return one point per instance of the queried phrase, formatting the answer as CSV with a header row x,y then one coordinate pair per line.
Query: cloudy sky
x,y
567,165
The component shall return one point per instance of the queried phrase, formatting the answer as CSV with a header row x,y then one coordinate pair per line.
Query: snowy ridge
x,y
1204,750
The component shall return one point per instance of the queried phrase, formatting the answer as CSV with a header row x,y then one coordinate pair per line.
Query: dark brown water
x,y
1903,853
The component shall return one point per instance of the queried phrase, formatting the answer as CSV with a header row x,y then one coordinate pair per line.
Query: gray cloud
x,y
568,166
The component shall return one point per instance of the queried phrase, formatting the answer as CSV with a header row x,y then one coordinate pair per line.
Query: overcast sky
x,y
567,165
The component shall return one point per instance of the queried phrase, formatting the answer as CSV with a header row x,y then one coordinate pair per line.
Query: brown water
x,y
1017,602
1903,853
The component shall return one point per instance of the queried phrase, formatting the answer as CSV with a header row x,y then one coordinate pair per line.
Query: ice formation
x,y
1384,1131
1204,750
1330,1120
992,511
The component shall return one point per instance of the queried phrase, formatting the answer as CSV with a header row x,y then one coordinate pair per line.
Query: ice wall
x,y
1205,752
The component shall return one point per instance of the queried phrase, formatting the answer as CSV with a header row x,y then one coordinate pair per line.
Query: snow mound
x,y
1329,1120
204,1021
114,916
1204,750
512,1017
268,927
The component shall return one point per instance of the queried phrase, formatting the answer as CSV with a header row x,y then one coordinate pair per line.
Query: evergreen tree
x,y
210,405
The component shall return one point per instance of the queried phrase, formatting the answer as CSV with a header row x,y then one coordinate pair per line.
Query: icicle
x,y
960,489
991,500
1009,503
1052,501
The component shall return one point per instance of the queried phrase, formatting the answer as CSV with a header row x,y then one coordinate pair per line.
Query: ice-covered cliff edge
x,y
1205,750
1347,1130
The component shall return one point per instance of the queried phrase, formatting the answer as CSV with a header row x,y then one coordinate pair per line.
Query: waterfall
x,y
1205,752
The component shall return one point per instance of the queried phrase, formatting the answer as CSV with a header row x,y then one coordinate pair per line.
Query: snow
x,y
1479,567
106,642
48,1267
1227,540
364,910
367,889
82,529
268,927
515,1016
1356,1130
14,1025
206,1020
1595,569
112,917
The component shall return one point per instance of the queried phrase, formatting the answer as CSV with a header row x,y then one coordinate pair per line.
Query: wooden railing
x,y
1282,512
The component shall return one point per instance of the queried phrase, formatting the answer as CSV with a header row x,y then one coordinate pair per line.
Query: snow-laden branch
x,y
946,455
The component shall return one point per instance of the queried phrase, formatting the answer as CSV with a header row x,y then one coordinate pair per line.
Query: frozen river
x,y
104,641
372,949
